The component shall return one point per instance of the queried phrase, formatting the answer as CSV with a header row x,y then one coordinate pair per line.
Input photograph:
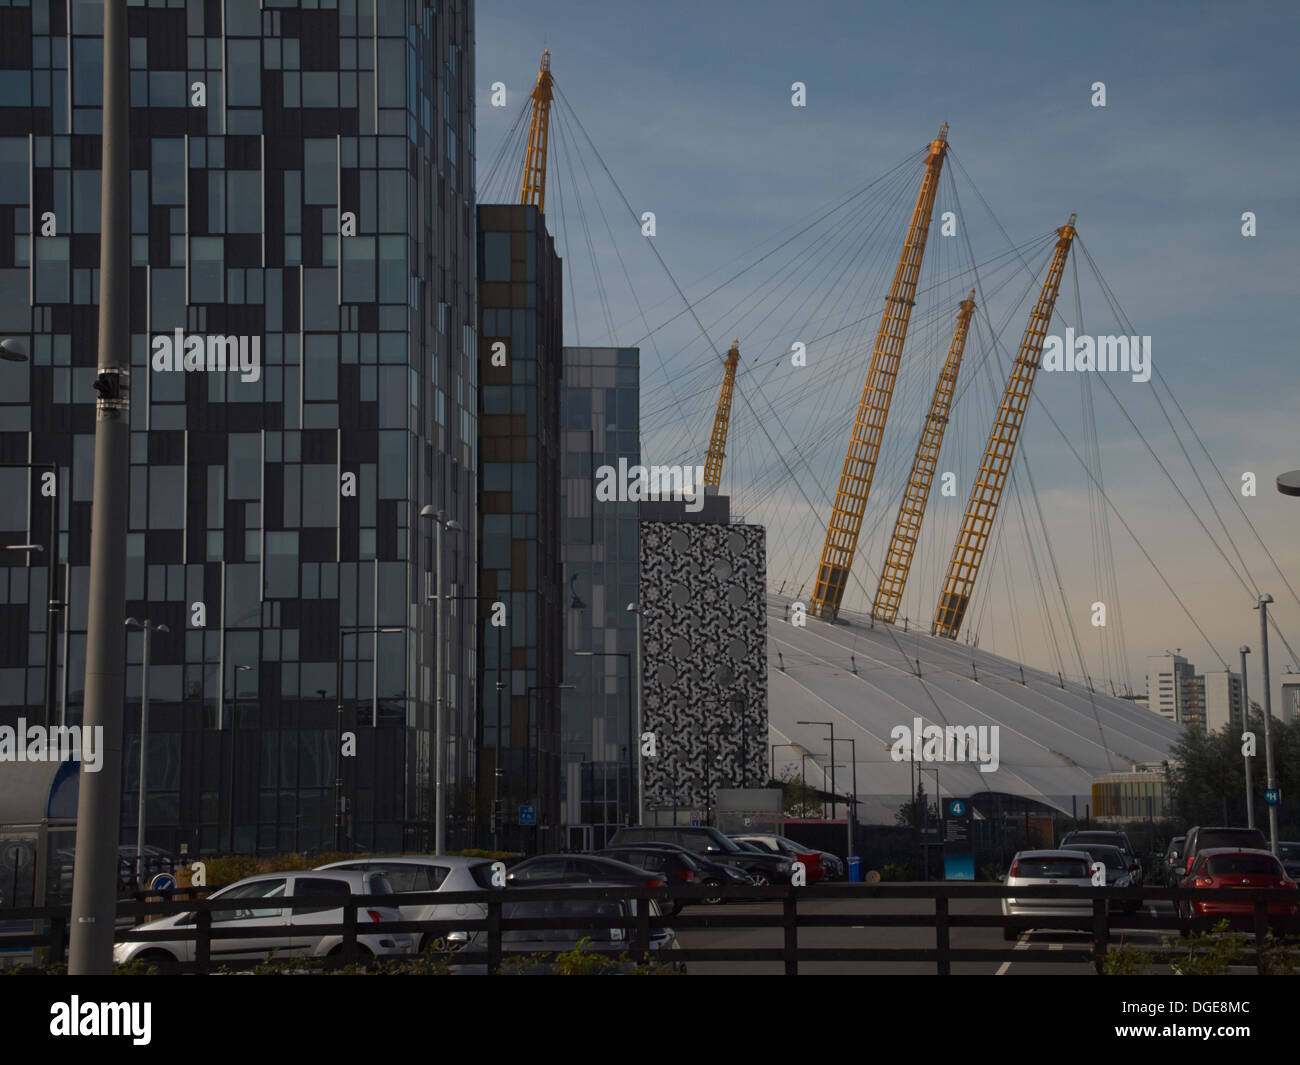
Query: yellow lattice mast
x,y
721,421
864,446
987,490
533,189
907,527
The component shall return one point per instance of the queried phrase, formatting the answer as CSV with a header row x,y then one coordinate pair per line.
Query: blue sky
x,y
689,105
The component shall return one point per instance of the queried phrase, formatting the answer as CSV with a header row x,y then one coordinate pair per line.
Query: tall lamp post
x,y
1264,600
440,522
634,740
234,741
1245,726
631,735
11,351
149,628
830,725
340,815
853,800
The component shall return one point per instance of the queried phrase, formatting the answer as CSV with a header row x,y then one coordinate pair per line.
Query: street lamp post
x,y
149,627
54,604
234,746
853,800
1245,727
340,817
440,522
1264,600
771,772
830,725
634,740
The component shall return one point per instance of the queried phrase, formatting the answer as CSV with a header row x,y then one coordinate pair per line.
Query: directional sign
x,y
956,808
1273,796
162,882
528,815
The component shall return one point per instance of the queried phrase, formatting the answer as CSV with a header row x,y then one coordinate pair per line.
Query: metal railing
x,y
489,950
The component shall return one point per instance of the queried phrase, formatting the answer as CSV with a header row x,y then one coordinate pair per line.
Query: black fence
x,y
787,910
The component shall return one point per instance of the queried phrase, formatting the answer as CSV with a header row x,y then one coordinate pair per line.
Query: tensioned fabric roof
x,y
1052,739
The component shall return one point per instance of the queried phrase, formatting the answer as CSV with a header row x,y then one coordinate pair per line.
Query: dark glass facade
x,y
601,544
302,183
520,605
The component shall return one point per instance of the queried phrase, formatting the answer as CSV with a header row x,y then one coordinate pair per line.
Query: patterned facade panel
x,y
704,660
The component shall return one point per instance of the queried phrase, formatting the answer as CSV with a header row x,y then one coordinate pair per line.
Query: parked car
x,y
1171,866
832,867
1116,865
716,874
1231,867
1289,854
678,868
1201,838
1114,839
581,868
261,899
762,868
663,940
1045,868
428,872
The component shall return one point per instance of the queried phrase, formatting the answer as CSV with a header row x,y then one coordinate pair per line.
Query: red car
x,y
1231,867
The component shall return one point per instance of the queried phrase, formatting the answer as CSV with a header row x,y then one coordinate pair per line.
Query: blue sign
x,y
959,867
1273,796
695,822
528,815
162,882
956,808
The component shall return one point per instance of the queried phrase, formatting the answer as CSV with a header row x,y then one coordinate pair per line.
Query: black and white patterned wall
x,y
704,660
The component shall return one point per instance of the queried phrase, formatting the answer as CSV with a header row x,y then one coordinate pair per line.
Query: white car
x,y
434,872
1059,868
261,897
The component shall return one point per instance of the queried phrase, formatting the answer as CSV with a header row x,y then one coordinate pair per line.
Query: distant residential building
x,y
1222,700
1290,700
1174,691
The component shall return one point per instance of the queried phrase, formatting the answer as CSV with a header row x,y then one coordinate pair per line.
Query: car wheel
x,y
163,961
760,879
713,900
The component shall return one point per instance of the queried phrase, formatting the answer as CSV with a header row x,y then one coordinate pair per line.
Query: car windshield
x,y
726,844
1109,839
1288,851
1100,852
587,911
1052,869
1242,865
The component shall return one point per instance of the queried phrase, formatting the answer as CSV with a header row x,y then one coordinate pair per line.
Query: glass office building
x,y
519,604
304,366
601,543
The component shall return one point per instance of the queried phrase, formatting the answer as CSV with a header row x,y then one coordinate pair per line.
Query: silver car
x,y
434,872
261,907
1060,868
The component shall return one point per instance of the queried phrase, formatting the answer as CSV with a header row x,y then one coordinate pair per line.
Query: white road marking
x,y
1021,944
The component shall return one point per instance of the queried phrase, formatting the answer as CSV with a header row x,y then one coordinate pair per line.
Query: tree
x,y
797,798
